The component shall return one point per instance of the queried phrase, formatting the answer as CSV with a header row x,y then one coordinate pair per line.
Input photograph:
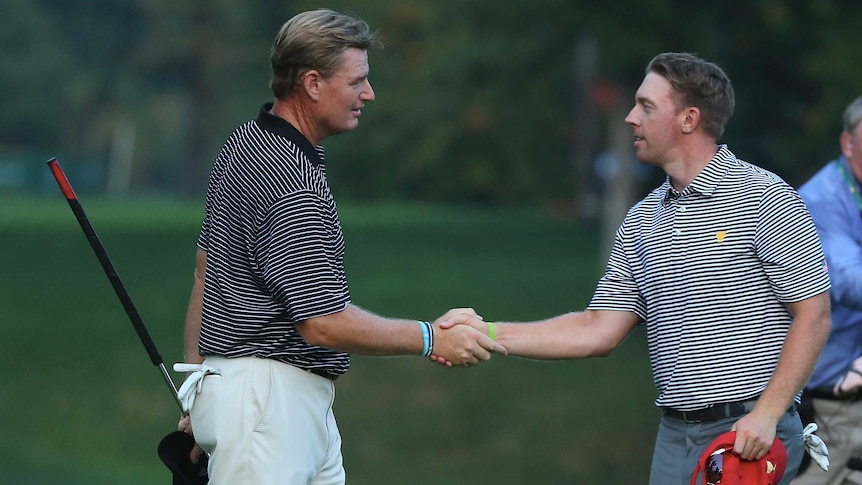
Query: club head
x,y
174,452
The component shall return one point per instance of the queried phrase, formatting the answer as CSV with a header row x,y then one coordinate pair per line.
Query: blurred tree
x,y
475,99
793,65
59,61
468,105
24,83
191,54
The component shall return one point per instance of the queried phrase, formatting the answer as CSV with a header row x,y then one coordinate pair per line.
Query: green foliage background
x,y
477,100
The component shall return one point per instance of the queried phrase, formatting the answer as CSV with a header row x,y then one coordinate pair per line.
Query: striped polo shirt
x,y
275,249
709,270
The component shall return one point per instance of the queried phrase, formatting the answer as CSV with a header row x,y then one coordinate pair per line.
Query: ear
x,y
690,119
846,141
311,82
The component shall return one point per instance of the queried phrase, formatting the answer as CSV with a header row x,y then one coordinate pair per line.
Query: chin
x,y
645,158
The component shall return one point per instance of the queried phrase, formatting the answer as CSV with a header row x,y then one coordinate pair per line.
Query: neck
x,y
688,164
298,115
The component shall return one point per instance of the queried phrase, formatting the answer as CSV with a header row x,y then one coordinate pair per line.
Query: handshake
x,y
460,338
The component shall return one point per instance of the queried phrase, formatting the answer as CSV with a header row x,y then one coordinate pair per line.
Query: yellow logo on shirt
x,y
720,235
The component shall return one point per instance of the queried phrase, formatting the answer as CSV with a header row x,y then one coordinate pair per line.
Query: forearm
x,y
358,331
568,336
802,347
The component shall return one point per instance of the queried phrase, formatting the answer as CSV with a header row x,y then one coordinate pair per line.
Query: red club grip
x,y
65,186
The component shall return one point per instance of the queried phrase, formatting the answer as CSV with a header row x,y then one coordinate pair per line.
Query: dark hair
x,y
314,40
698,83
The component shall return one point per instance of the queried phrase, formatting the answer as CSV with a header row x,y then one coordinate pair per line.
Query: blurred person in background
x,y
270,323
721,264
833,198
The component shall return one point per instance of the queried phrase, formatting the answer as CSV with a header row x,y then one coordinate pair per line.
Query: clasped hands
x,y
461,339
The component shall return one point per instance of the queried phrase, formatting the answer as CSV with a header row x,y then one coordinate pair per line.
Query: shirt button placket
x,y
677,244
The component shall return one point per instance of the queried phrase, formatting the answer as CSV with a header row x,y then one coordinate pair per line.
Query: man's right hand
x,y
185,425
458,340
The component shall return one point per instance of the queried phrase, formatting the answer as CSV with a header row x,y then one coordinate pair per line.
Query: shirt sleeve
x,y
296,260
787,243
213,186
617,289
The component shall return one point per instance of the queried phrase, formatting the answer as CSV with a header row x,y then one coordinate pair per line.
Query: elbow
x,y
823,326
319,332
603,348
313,334
826,326
602,351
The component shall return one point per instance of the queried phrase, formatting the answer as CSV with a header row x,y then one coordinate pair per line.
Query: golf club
x,y
112,275
174,448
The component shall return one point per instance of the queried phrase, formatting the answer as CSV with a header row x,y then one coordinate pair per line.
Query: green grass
x,y
80,402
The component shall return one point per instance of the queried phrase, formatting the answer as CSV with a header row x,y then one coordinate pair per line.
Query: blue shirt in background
x,y
836,214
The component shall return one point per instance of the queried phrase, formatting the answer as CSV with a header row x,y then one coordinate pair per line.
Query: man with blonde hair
x,y
270,323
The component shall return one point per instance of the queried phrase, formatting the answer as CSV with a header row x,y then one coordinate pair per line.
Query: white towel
x,y
192,385
815,446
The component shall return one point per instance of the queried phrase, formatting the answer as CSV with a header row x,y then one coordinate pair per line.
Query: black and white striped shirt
x,y
275,249
709,270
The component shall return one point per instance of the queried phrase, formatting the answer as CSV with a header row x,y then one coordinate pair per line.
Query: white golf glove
x,y
815,446
192,385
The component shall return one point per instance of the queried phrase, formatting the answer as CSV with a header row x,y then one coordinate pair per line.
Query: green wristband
x,y
492,330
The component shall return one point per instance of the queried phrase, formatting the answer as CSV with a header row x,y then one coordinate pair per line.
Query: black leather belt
x,y
827,394
717,411
712,413
324,373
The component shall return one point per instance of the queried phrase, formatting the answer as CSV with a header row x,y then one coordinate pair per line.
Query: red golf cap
x,y
719,465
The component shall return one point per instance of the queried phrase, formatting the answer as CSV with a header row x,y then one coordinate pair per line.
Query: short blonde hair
x,y
314,40
699,83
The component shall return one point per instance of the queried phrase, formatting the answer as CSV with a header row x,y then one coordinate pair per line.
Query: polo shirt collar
x,y
281,127
708,179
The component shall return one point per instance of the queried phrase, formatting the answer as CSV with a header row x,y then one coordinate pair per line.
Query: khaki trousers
x,y
267,423
840,427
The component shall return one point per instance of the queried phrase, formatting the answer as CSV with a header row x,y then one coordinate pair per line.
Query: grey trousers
x,y
679,445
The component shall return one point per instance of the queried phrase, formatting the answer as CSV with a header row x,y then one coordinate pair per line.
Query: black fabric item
x,y
322,373
174,451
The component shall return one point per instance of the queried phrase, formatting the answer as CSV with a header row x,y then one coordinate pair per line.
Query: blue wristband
x,y
427,338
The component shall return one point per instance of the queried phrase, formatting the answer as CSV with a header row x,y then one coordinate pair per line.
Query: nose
x,y
631,120
367,93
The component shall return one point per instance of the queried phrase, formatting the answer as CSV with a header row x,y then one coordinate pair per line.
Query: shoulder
x,y
759,183
754,174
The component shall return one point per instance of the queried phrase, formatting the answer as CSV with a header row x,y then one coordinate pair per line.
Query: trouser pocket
x,y
204,413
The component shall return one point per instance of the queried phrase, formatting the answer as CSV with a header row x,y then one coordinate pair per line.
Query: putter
x,y
174,449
